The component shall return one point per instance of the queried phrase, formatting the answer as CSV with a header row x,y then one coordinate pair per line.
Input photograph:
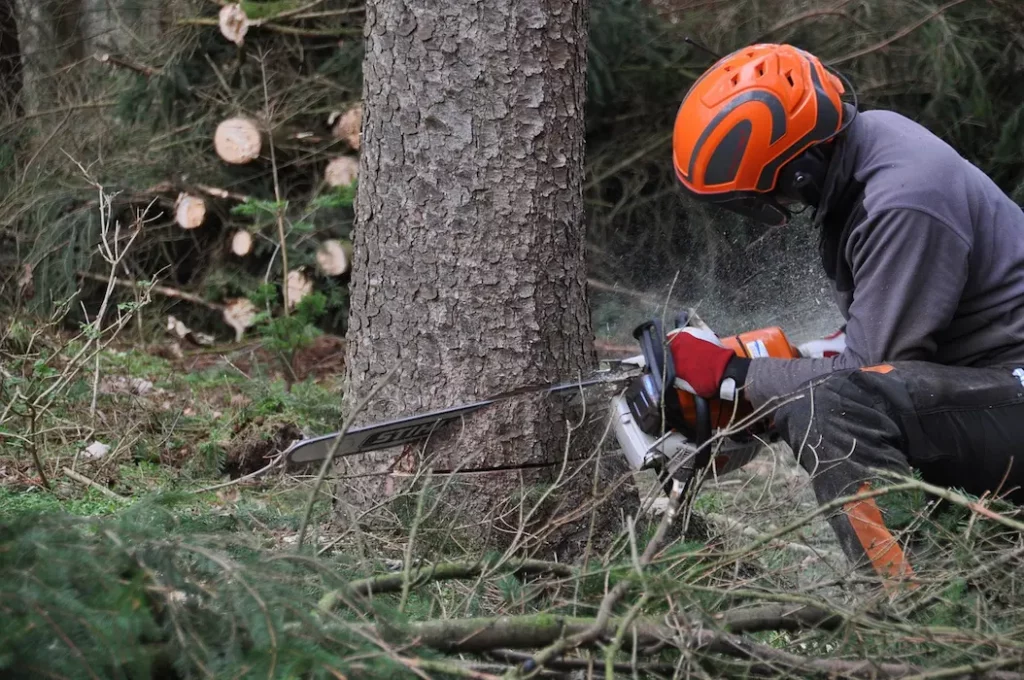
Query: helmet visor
x,y
758,207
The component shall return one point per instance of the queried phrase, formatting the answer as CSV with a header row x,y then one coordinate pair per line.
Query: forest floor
x,y
199,426
169,418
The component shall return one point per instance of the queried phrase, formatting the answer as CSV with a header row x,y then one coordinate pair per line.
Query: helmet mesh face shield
x,y
751,113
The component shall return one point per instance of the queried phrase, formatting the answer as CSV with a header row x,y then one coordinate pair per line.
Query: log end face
x,y
238,141
190,212
341,171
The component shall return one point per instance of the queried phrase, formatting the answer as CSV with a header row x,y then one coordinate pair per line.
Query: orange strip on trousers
x,y
881,546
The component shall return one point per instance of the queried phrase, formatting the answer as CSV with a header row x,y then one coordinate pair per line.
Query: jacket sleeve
x,y
909,271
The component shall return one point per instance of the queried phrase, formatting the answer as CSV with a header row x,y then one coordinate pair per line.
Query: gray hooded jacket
x,y
925,252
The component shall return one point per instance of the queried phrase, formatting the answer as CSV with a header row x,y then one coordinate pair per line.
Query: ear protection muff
x,y
803,178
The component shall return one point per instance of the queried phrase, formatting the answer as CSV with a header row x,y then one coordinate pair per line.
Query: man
x,y
926,257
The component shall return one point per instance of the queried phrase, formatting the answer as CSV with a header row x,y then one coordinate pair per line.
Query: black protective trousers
x,y
959,427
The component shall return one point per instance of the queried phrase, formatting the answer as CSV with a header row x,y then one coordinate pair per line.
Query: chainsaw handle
x,y
653,347
702,428
651,336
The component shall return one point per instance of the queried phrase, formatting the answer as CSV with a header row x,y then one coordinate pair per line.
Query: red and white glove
x,y
829,346
703,363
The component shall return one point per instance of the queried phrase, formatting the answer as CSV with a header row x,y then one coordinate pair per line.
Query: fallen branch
x,y
510,656
391,583
751,532
162,290
484,635
600,625
82,479
952,497
777,617
448,669
141,69
222,193
244,478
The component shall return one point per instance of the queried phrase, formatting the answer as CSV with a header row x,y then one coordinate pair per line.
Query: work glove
x,y
829,346
704,366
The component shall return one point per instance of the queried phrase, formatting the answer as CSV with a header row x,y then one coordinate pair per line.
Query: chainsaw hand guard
x,y
653,398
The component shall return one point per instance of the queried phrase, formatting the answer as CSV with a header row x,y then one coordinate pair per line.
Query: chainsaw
x,y
658,424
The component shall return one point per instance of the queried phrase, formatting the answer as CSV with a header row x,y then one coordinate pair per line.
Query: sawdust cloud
x,y
738,276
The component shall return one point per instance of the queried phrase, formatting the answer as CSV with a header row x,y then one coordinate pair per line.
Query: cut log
x,y
334,257
238,140
233,23
177,328
349,125
299,286
241,243
239,314
190,211
341,171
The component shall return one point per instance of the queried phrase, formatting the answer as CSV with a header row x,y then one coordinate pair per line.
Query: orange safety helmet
x,y
749,115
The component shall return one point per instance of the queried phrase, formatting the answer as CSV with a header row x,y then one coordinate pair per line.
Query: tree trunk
x,y
10,60
51,37
469,259
55,34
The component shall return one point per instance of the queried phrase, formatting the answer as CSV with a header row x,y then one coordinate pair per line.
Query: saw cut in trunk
x,y
238,140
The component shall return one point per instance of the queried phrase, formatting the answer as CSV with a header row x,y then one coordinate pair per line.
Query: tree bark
x,y
469,256
10,59
61,33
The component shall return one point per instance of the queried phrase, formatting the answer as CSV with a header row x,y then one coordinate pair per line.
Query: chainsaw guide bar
x,y
416,427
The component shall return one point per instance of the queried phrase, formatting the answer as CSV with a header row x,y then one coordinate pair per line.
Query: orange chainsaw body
x,y
763,342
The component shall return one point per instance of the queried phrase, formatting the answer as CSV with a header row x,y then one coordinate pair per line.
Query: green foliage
x,y
268,10
287,334
126,600
38,502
